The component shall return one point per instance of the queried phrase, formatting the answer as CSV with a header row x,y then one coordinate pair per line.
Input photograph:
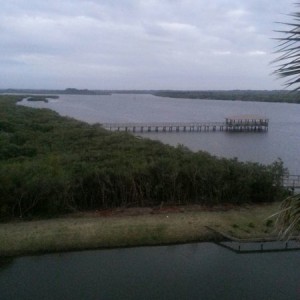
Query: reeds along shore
x,y
51,165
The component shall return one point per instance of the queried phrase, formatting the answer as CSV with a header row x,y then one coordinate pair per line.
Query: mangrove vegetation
x,y
51,165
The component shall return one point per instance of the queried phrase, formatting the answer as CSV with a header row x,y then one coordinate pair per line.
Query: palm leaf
x,y
289,47
288,217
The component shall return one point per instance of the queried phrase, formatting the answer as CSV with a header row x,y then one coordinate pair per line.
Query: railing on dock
x,y
185,127
239,123
291,181
166,126
255,245
247,247
247,123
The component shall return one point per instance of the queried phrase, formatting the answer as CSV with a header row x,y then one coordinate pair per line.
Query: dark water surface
x,y
282,140
191,271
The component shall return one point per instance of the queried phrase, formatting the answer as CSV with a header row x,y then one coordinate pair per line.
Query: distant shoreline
x,y
280,96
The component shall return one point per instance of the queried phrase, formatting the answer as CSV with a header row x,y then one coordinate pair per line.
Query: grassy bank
x,y
133,228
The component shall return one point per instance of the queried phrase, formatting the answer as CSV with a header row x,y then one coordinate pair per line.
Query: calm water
x,y
282,140
193,271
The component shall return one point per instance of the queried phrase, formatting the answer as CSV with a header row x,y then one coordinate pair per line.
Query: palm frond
x,y
288,216
289,48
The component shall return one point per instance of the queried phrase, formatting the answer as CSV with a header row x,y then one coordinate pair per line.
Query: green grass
x,y
86,232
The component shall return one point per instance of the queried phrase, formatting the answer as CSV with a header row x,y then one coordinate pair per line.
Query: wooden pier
x,y
243,123
166,126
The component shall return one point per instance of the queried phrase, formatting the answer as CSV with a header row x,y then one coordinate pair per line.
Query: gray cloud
x,y
155,44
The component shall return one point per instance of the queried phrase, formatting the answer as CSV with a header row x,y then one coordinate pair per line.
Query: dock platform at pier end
x,y
247,123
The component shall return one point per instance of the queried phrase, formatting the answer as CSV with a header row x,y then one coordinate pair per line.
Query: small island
x,y
41,98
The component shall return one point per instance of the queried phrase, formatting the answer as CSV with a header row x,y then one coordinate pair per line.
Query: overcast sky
x,y
140,44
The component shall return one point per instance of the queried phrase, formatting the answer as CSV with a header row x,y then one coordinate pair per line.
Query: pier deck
x,y
251,123
185,127
166,126
247,123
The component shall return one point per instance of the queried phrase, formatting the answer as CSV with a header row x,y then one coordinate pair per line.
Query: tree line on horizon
x,y
233,95
236,95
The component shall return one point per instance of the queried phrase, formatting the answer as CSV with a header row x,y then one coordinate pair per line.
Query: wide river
x,y
281,141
